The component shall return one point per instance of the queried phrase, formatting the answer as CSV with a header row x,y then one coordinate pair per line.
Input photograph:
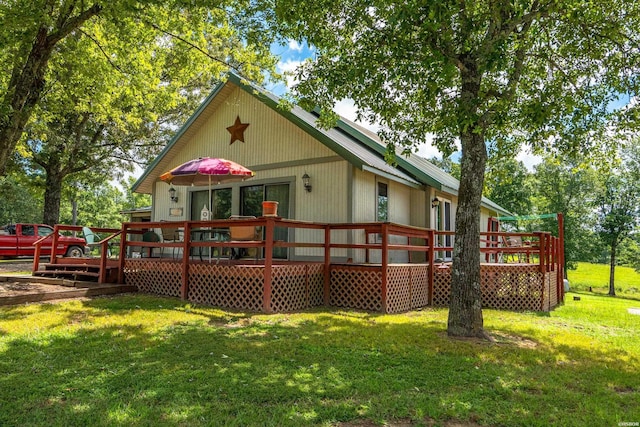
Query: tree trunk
x,y
22,95
465,306
612,269
74,211
52,193
28,78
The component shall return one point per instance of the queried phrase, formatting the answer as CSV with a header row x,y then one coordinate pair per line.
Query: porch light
x,y
172,195
435,202
306,182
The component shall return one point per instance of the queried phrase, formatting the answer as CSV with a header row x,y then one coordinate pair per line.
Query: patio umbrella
x,y
206,171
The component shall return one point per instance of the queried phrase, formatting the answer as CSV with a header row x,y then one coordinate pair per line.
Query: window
x,y
44,231
220,206
383,203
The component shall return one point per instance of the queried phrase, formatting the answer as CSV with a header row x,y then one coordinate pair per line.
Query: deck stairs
x,y
78,269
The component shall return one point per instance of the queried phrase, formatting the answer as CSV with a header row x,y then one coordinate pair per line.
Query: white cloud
x,y
294,45
428,150
289,66
530,160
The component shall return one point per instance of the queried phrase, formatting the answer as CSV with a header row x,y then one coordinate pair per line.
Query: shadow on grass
x,y
160,361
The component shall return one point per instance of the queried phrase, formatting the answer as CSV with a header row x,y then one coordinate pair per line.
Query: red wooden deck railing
x,y
541,248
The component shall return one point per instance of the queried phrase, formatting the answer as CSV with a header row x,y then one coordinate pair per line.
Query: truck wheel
x,y
75,252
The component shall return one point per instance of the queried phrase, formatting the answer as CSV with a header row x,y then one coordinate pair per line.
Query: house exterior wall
x,y
273,148
278,151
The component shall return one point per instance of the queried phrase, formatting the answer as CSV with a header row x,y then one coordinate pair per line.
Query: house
x,y
348,179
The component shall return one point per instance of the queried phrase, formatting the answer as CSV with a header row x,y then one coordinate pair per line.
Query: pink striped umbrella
x,y
206,171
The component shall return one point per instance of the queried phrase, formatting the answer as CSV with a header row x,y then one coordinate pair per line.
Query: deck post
x,y
268,263
561,269
104,252
431,254
54,245
36,258
186,250
543,251
385,264
327,264
123,251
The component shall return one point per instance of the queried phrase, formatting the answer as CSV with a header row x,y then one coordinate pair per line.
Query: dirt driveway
x,y
15,266
11,288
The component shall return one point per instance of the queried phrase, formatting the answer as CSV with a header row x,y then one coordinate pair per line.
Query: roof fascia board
x,y
417,173
179,134
412,184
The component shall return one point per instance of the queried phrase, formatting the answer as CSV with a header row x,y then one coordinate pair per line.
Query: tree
x,y
563,185
540,72
448,165
619,208
124,35
105,124
508,183
19,204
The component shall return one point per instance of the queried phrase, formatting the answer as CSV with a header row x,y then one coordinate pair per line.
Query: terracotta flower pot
x,y
269,208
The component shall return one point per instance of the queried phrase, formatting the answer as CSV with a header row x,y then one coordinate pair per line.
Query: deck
x,y
343,265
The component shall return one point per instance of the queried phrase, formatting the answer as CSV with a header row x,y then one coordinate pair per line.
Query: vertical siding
x,y
418,215
269,138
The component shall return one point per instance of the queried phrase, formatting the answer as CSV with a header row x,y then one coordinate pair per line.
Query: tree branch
x,y
113,64
72,24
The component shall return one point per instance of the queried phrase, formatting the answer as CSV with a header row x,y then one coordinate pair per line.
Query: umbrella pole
x,y
210,248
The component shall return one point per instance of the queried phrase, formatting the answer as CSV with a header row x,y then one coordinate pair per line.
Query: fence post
x,y
327,264
543,251
54,245
385,264
268,264
431,260
186,251
123,252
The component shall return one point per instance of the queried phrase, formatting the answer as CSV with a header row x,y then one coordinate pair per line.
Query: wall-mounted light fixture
x,y
306,182
172,194
435,202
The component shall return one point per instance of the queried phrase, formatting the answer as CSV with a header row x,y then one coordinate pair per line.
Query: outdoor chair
x,y
170,234
514,242
150,236
93,240
243,233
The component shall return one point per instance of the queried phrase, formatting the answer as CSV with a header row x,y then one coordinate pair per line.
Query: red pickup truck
x,y
17,240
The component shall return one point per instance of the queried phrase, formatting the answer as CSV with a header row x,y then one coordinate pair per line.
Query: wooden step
x,y
77,271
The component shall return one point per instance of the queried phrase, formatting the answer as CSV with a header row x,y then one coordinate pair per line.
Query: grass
x,y
596,277
139,360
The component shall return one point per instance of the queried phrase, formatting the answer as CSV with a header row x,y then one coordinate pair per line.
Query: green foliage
x,y
19,203
448,165
149,361
508,183
569,188
537,73
155,61
630,253
97,206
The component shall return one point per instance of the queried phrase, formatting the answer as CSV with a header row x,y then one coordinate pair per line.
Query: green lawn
x,y
148,361
596,276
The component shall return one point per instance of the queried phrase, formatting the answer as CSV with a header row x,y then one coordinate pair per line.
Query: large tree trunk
x,y
52,195
465,306
22,95
612,269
